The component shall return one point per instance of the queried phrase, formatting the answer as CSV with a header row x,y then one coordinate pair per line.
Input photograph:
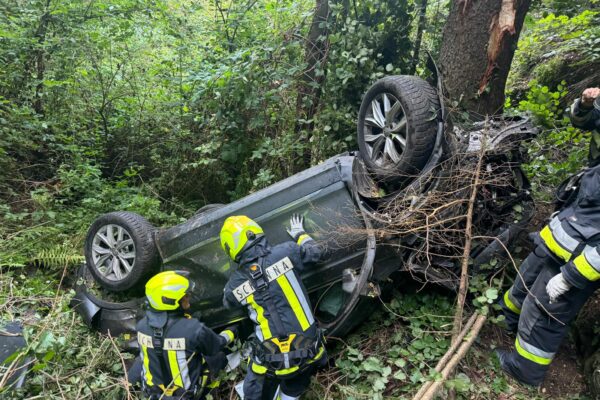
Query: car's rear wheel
x,y
120,250
397,127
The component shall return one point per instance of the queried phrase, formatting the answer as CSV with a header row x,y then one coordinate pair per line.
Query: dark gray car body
x,y
324,195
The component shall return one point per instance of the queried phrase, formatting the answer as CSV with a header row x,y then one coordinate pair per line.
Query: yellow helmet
x,y
166,289
237,233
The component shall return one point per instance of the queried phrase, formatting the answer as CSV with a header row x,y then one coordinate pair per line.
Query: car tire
x,y
120,250
397,127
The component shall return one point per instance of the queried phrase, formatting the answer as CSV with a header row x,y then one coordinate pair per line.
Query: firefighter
x,y
563,270
287,346
177,352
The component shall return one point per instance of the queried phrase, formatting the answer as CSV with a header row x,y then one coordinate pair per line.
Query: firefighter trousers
x,y
512,301
542,325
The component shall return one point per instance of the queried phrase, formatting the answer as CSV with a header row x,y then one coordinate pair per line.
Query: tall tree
x,y
478,44
315,55
419,38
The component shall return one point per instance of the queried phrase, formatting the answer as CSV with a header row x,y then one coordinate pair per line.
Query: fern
x,y
57,257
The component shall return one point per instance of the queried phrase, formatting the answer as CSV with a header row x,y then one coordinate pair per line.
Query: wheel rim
x,y
113,252
385,130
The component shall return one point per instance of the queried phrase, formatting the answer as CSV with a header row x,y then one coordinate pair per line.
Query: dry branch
x,y
453,359
464,277
126,380
440,365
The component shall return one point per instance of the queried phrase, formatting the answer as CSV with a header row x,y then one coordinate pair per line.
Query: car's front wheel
x,y
120,250
397,127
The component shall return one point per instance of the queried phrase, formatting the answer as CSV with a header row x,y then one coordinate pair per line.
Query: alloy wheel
x,y
385,130
113,252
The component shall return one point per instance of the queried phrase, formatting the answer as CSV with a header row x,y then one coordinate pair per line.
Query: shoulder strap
x,y
158,337
261,283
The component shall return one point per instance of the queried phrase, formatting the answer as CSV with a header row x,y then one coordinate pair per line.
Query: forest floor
x,y
386,358
564,379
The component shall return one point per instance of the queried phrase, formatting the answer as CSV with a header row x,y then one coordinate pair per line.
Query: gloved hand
x,y
230,334
296,226
556,287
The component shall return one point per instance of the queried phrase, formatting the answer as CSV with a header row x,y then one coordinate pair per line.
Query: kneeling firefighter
x,y
563,270
287,347
177,352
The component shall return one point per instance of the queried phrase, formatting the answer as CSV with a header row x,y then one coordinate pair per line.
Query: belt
x,y
285,353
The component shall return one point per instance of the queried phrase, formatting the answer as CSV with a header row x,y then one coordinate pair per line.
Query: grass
x,y
388,357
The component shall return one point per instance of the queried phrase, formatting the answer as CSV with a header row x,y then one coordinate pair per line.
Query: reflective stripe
x,y
259,369
174,344
532,353
228,335
153,303
214,384
300,293
271,273
236,239
173,288
318,356
183,369
510,304
292,299
591,254
553,245
562,236
287,371
283,396
146,368
277,393
588,263
260,317
303,238
174,366
253,317
204,378
145,340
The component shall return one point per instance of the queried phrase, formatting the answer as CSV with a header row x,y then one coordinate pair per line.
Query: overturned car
x,y
375,212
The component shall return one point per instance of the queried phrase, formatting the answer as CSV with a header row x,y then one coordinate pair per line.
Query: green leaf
x,y
491,293
399,375
372,364
379,384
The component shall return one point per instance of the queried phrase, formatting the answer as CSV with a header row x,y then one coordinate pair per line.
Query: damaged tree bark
x,y
478,45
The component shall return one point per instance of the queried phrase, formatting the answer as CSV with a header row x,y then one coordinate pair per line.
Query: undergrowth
x,y
67,360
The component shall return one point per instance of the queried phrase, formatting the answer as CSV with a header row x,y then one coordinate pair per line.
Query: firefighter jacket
x,y
588,119
174,349
277,303
573,235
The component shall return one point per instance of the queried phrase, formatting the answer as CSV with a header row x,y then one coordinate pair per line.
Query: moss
x,y
551,72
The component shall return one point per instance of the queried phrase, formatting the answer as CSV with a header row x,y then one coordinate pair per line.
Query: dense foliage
x,y
558,57
161,107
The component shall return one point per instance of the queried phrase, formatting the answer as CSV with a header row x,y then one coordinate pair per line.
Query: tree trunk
x,y
419,38
39,59
309,88
478,44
